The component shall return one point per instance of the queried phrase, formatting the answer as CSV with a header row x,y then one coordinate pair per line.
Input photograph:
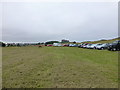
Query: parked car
x,y
50,45
97,45
115,46
60,45
102,46
73,45
84,45
93,46
70,45
57,44
88,46
3,44
66,45
80,45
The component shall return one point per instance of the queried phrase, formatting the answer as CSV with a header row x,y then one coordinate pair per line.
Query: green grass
x,y
59,67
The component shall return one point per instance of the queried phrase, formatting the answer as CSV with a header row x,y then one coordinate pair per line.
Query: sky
x,y
46,21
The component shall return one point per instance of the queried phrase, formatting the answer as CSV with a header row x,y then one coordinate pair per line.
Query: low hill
x,y
103,41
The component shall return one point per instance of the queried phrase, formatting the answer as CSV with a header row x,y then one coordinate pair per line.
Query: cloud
x,y
38,22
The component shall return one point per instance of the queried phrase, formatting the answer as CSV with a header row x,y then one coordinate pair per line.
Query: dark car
x,y
3,44
80,45
115,46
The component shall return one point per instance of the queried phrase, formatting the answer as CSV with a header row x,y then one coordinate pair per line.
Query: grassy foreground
x,y
59,67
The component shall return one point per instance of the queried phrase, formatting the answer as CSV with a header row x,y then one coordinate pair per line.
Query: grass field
x,y
59,67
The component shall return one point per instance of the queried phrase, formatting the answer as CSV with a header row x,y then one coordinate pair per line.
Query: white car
x,y
102,46
98,45
73,45
93,46
88,46
57,44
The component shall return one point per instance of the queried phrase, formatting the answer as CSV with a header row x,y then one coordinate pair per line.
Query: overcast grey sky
x,y
40,22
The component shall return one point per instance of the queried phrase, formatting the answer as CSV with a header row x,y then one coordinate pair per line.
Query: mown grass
x,y
59,67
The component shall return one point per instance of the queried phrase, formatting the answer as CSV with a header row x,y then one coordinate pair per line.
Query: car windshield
x,y
94,44
90,44
115,42
104,44
99,44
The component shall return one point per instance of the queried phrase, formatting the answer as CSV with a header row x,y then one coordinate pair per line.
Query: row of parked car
x,y
114,46
64,45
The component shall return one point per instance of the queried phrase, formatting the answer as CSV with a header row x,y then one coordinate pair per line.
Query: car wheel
x,y
102,48
114,49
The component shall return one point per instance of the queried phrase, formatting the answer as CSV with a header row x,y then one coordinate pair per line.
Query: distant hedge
x,y
51,42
